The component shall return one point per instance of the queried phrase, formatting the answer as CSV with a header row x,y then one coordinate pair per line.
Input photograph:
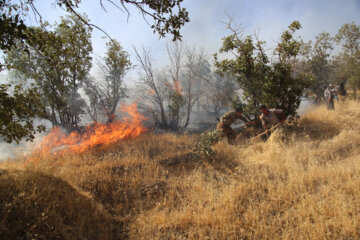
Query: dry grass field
x,y
303,183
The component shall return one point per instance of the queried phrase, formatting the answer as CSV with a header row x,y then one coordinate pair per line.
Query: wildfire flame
x,y
97,134
174,86
151,92
177,87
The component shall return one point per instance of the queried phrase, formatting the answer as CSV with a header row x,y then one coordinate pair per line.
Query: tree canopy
x,y
276,83
17,111
44,55
349,59
58,61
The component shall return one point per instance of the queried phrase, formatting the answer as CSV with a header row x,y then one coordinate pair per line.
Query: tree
x,y
168,17
248,65
169,95
318,63
189,86
12,26
286,86
219,90
275,84
104,96
349,36
59,62
17,111
152,89
174,92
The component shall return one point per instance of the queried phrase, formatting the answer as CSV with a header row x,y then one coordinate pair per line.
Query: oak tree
x,y
58,61
274,83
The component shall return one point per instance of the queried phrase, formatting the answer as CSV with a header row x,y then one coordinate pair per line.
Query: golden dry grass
x,y
303,183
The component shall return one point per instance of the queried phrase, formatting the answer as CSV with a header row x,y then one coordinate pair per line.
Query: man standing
x,y
270,117
334,92
223,127
341,90
328,97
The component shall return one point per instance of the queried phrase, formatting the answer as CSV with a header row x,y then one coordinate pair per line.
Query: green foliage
x,y
275,84
59,62
289,46
286,88
318,63
172,22
17,111
168,15
236,102
349,36
249,68
12,26
203,149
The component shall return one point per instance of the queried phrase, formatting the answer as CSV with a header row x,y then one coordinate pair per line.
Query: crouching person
x,y
224,126
271,117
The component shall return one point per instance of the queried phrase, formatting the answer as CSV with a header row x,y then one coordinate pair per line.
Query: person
x,y
224,125
328,97
334,92
341,90
270,117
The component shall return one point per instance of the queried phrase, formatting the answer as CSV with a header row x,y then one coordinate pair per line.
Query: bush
x,y
203,149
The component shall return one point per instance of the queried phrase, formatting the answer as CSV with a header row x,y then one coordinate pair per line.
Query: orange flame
x,y
151,92
177,87
98,134
174,86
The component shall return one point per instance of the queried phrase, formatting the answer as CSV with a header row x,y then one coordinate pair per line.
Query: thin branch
x,y
128,13
140,7
84,21
236,30
35,11
102,5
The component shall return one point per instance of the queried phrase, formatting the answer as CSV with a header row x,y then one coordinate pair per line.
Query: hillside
x,y
303,183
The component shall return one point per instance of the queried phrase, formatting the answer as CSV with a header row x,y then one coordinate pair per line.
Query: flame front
x,y
97,134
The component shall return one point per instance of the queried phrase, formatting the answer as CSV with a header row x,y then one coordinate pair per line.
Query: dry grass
x,y
303,183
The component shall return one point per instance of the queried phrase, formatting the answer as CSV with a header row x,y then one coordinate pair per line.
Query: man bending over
x,y
271,117
223,127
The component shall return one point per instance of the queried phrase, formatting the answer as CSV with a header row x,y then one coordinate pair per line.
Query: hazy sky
x,y
206,29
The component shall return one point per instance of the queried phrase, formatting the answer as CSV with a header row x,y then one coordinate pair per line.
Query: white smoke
x,y
306,104
14,151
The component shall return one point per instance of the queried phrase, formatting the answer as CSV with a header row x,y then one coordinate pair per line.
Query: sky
x,y
206,27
